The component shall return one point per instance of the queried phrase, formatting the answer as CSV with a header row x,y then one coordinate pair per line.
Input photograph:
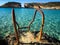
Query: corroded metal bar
x,y
14,23
17,25
23,27
41,29
33,19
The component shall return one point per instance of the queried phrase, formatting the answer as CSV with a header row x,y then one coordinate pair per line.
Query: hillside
x,y
49,5
11,4
52,4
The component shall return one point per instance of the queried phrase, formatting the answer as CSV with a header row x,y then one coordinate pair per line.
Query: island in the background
x,y
49,5
11,5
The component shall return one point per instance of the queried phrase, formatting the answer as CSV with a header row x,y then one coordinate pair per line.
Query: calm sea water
x,y
24,16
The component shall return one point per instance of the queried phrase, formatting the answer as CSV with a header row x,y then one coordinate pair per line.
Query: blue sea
x,y
25,15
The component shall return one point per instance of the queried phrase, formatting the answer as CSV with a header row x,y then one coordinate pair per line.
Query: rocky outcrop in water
x,y
12,4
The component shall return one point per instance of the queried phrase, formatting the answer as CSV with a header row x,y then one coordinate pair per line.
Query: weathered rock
x,y
28,38
31,5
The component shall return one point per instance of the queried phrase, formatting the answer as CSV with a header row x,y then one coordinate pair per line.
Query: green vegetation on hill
x,y
51,4
11,4
31,4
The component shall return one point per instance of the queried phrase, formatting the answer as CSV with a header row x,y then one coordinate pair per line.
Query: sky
x,y
27,1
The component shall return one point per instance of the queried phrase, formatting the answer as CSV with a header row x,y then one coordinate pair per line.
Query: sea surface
x,y
25,15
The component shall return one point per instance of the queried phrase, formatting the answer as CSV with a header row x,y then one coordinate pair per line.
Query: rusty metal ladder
x,y
16,24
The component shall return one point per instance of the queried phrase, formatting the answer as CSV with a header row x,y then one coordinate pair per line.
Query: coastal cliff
x,y
49,5
31,5
11,4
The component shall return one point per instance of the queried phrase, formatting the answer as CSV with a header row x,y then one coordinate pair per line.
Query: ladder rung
x,y
23,27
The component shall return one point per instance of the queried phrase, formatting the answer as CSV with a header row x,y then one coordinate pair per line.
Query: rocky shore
x,y
29,38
